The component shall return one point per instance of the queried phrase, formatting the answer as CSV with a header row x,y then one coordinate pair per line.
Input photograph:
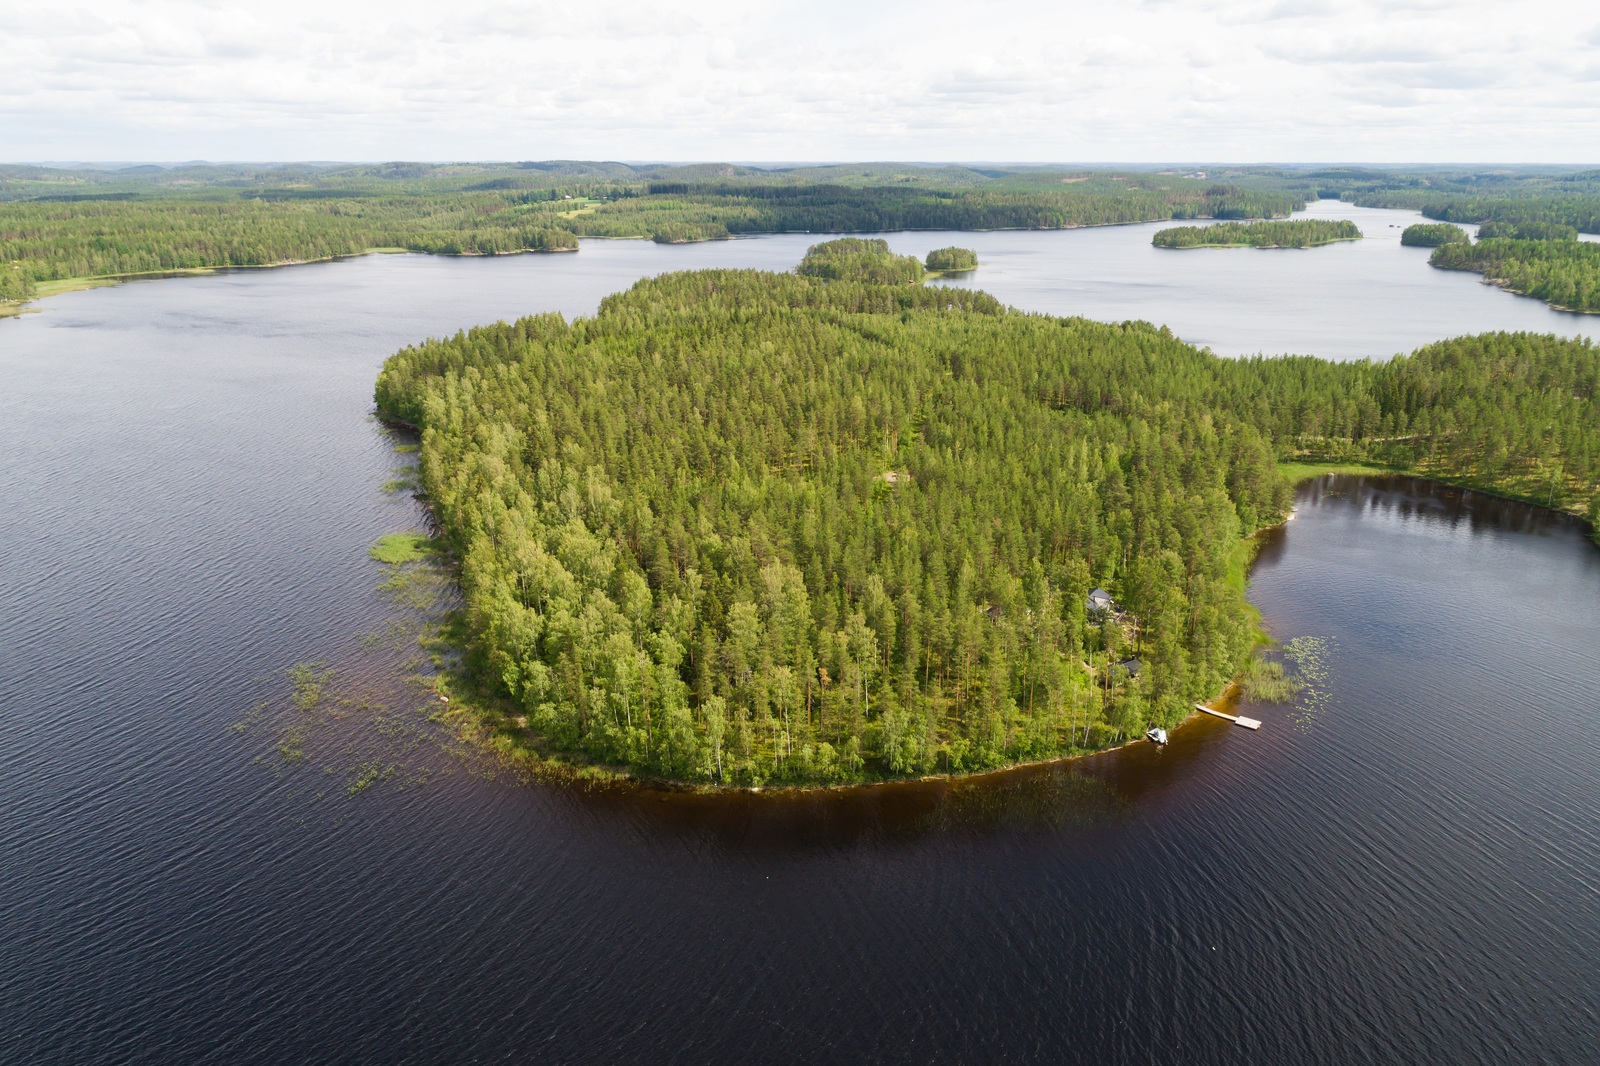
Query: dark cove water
x,y
1402,869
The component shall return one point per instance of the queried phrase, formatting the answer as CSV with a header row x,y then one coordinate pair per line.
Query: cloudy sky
x,y
1236,80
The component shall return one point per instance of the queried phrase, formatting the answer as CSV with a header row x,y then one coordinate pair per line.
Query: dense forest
x,y
51,240
58,225
1527,231
738,207
1300,233
857,259
1531,197
1432,235
951,260
744,527
1563,273
1580,213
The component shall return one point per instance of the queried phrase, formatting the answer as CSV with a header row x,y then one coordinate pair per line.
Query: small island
x,y
951,260
1296,233
856,259
1433,235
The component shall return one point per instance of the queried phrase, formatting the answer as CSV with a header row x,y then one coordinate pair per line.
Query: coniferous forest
x,y
1300,233
1562,273
60,225
951,260
1432,235
829,526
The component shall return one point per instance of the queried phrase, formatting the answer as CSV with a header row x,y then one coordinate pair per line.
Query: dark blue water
x,y
1401,870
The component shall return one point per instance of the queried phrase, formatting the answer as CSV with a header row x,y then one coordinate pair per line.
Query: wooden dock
x,y
1248,723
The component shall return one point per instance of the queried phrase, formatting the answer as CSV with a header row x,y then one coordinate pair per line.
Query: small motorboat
x,y
1156,736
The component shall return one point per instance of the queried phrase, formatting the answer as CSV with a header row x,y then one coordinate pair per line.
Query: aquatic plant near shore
x,y
1309,655
1265,681
396,548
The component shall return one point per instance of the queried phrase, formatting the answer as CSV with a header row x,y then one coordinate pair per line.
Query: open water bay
x,y
1400,868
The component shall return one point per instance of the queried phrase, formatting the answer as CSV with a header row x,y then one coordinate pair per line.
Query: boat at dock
x,y
1156,736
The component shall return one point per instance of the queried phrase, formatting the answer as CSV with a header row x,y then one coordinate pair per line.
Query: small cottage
x,y
1133,666
1100,602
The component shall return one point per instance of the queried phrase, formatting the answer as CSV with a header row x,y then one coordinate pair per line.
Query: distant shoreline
x,y
47,289
62,286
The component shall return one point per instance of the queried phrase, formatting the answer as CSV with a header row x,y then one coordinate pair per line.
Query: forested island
x,y
1299,233
1432,235
951,260
745,528
868,260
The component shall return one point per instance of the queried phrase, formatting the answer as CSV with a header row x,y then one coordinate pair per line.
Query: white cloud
x,y
1191,79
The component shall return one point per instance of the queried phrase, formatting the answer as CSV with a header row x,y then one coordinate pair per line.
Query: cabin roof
x,y
1133,666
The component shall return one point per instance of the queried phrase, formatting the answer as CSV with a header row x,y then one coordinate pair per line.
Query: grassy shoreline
x,y
1299,472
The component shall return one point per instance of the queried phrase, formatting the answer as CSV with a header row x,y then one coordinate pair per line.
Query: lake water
x,y
1401,868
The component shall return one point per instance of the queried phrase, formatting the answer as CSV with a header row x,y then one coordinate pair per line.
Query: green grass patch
x,y
1239,561
61,285
1298,472
403,548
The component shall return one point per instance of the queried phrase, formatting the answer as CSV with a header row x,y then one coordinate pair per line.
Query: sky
x,y
824,80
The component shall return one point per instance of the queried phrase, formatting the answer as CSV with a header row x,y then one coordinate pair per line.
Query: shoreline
x,y
62,286
497,740
1306,471
1504,286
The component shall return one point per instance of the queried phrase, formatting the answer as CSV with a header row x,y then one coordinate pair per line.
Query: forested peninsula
x,y
1562,273
1299,233
745,528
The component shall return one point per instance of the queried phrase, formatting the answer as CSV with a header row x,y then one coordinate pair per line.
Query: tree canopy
x,y
744,527
58,224
1297,233
855,259
1563,273
948,260
1432,234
